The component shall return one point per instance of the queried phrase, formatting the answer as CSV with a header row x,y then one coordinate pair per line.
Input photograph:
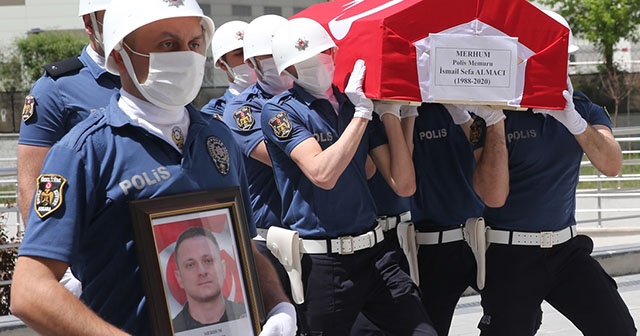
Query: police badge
x,y
175,3
219,154
281,125
27,110
244,118
49,194
177,136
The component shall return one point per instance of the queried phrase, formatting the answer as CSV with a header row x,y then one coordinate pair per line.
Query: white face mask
x,y
174,77
243,75
270,80
316,74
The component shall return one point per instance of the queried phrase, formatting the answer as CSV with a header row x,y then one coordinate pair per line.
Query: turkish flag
x,y
392,36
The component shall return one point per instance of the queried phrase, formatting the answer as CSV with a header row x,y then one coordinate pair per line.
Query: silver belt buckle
x,y
345,245
384,223
546,239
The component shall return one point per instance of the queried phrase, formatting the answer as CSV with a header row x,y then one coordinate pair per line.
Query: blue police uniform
x,y
67,93
217,105
444,199
242,115
337,286
105,162
544,163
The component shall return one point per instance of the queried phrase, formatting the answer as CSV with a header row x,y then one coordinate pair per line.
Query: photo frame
x,y
207,273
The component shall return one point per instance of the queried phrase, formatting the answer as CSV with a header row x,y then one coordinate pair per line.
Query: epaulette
x,y
580,96
57,69
284,98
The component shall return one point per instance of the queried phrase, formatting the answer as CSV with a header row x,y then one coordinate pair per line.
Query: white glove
x,y
383,107
458,113
281,321
407,111
569,117
353,90
490,115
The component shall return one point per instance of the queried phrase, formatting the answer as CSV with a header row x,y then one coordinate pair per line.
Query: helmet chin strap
x,y
96,32
256,68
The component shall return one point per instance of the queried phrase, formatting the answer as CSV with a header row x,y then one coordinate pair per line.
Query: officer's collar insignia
x,y
244,118
49,194
219,154
281,125
175,3
177,136
28,109
302,44
239,35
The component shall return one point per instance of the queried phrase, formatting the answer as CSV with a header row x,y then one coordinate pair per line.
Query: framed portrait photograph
x,y
197,264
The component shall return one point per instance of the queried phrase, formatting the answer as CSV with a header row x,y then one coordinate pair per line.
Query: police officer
x,y
242,115
319,141
227,48
535,253
148,130
67,93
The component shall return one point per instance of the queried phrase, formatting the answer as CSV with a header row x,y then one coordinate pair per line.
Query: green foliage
x,y
602,22
8,258
11,78
40,49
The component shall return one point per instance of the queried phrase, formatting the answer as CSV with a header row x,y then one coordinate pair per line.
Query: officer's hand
x,y
407,111
569,117
458,113
353,90
384,107
490,115
281,321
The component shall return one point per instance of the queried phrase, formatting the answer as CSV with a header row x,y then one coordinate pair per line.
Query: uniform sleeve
x,y
54,235
376,133
283,127
46,126
244,120
212,107
595,114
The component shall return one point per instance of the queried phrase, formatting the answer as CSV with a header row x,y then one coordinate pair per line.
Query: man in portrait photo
x,y
200,271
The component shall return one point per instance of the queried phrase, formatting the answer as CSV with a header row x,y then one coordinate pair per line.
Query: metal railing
x,y
618,206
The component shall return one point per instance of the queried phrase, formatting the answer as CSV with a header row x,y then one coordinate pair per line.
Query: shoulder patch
x,y
49,194
60,68
477,132
29,105
219,154
281,125
244,118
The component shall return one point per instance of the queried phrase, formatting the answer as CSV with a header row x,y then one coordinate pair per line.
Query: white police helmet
x,y
258,34
91,6
228,37
297,40
125,16
573,47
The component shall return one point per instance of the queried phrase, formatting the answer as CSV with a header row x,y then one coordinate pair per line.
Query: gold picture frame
x,y
208,269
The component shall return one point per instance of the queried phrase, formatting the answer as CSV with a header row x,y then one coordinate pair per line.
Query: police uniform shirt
x,y
387,201
217,105
242,115
63,100
348,208
232,311
444,164
544,167
108,161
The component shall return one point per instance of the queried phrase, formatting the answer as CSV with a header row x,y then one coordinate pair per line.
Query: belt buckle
x,y
546,239
345,245
383,221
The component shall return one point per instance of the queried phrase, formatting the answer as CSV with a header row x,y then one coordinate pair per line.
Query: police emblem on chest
x,y
49,194
244,118
177,136
281,125
29,104
219,154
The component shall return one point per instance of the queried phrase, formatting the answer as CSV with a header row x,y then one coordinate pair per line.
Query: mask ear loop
x,y
229,69
132,74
